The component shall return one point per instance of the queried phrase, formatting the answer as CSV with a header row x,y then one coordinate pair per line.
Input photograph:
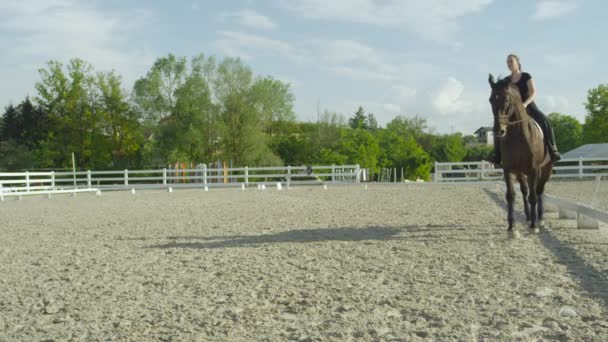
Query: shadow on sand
x,y
422,233
594,282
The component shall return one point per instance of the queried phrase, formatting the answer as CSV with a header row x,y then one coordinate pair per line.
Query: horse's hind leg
x,y
540,190
510,199
533,198
523,186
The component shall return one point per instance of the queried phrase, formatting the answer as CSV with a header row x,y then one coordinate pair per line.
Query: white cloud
x,y
240,44
346,51
392,108
359,74
450,99
353,60
430,19
556,103
549,9
43,30
253,19
404,91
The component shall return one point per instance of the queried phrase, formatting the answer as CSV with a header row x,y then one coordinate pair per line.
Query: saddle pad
x,y
539,129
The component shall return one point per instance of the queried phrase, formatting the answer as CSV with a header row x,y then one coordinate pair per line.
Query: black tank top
x,y
522,85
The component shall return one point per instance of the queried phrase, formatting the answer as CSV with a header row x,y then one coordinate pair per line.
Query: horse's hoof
x,y
513,234
534,230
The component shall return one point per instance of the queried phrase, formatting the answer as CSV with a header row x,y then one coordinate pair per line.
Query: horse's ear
x,y
492,80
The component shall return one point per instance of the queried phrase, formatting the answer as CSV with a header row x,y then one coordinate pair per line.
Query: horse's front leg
x,y
523,186
533,198
510,199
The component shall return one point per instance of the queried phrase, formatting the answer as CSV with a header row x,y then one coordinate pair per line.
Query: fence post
x,y
89,178
205,174
333,173
164,176
357,173
126,177
482,169
53,180
436,175
288,176
27,181
580,167
246,175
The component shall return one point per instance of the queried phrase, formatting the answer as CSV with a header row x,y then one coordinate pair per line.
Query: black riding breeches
x,y
543,122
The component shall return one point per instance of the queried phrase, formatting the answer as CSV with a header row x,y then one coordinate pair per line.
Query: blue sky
x,y
393,57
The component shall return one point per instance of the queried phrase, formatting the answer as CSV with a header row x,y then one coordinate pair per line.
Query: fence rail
x,y
24,183
484,171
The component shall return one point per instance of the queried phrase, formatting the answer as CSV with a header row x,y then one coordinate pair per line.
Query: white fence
x,y
485,171
25,183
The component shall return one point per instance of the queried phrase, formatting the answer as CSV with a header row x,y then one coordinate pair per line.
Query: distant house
x,y
588,151
485,135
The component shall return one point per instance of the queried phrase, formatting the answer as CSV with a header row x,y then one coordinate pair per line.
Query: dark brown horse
x,y
524,155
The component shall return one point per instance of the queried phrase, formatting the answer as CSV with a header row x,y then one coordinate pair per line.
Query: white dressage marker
x,y
133,191
170,189
279,186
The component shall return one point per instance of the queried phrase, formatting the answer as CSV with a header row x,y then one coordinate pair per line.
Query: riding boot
x,y
550,139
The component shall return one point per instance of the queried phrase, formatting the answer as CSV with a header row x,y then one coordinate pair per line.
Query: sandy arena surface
x,y
391,263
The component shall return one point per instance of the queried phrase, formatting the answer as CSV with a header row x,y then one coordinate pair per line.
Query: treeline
x,y
203,110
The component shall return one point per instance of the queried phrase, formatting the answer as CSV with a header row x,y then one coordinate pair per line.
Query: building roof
x,y
588,151
484,129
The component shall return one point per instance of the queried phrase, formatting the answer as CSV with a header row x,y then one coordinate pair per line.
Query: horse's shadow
x,y
343,234
593,281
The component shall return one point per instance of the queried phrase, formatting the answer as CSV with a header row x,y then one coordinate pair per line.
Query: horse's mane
x,y
511,90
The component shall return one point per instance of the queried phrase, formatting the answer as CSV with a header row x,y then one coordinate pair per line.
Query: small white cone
x,y
324,186
133,191
259,187
1,198
243,187
170,189
48,196
263,187
279,187
98,193
206,188
365,186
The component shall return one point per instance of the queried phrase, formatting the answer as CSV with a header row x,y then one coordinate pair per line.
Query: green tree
x,y
274,102
359,119
568,131
478,152
68,97
448,148
119,127
360,147
154,95
11,122
372,123
243,140
175,100
595,129
400,150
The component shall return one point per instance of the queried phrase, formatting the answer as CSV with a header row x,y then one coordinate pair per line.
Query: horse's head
x,y
505,102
